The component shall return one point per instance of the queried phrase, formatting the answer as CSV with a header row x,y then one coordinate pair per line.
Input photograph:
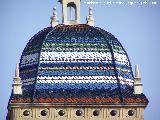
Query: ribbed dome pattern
x,y
75,61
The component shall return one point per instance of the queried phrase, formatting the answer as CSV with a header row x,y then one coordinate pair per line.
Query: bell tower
x,y
70,11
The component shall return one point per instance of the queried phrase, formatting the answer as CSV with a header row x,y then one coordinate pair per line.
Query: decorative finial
x,y
90,11
90,19
54,19
17,85
54,11
17,71
137,81
137,74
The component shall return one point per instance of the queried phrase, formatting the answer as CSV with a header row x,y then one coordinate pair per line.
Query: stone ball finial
x,y
90,11
54,11
54,19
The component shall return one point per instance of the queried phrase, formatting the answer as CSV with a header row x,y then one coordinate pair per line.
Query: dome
x,y
76,64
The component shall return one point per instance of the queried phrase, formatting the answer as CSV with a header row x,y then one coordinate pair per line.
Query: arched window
x,y
71,11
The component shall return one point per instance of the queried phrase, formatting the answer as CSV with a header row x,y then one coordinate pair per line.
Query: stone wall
x,y
77,113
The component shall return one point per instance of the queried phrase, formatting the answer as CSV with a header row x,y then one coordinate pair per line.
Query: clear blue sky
x,y
137,27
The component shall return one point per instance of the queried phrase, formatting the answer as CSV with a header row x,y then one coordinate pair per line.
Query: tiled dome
x,y
77,64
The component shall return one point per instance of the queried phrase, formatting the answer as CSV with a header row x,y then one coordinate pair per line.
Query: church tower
x,y
74,71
